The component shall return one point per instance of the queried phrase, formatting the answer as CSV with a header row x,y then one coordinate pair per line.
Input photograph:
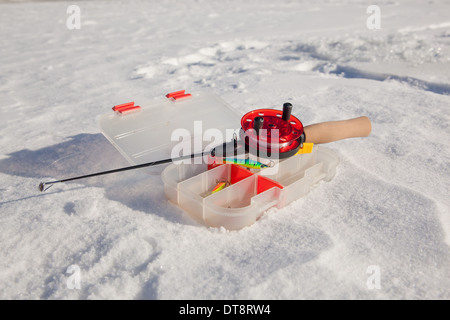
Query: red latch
x,y
126,107
178,95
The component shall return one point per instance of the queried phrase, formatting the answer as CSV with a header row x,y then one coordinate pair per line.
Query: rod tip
x,y
41,186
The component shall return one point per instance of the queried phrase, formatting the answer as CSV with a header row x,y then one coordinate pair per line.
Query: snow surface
x,y
388,205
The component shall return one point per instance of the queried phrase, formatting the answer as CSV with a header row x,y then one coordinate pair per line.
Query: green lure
x,y
246,163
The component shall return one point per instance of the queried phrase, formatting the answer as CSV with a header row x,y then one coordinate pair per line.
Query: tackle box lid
x,y
145,133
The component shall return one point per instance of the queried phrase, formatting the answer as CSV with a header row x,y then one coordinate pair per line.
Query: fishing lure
x,y
248,163
220,186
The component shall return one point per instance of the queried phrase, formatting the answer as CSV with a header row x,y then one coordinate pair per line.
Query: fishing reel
x,y
272,133
266,133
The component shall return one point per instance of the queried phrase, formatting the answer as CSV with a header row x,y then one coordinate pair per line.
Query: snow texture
x,y
385,213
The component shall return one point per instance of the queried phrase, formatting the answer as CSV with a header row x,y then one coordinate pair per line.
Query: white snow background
x,y
387,208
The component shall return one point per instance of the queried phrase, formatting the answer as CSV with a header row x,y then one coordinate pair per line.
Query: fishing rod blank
x,y
144,165
226,149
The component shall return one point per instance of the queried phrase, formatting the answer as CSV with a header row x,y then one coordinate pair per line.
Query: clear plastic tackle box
x,y
146,133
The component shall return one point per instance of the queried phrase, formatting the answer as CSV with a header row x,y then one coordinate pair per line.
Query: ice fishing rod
x,y
288,140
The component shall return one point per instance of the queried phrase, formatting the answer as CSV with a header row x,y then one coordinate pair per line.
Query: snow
x,y
387,208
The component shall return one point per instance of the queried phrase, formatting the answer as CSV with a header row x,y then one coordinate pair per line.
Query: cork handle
x,y
337,130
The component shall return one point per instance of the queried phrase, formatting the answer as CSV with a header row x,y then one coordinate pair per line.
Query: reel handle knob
x,y
287,109
258,124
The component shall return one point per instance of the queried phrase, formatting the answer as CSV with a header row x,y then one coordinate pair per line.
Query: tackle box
x,y
250,193
145,133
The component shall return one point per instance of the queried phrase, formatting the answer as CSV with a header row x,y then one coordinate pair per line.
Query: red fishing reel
x,y
266,132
